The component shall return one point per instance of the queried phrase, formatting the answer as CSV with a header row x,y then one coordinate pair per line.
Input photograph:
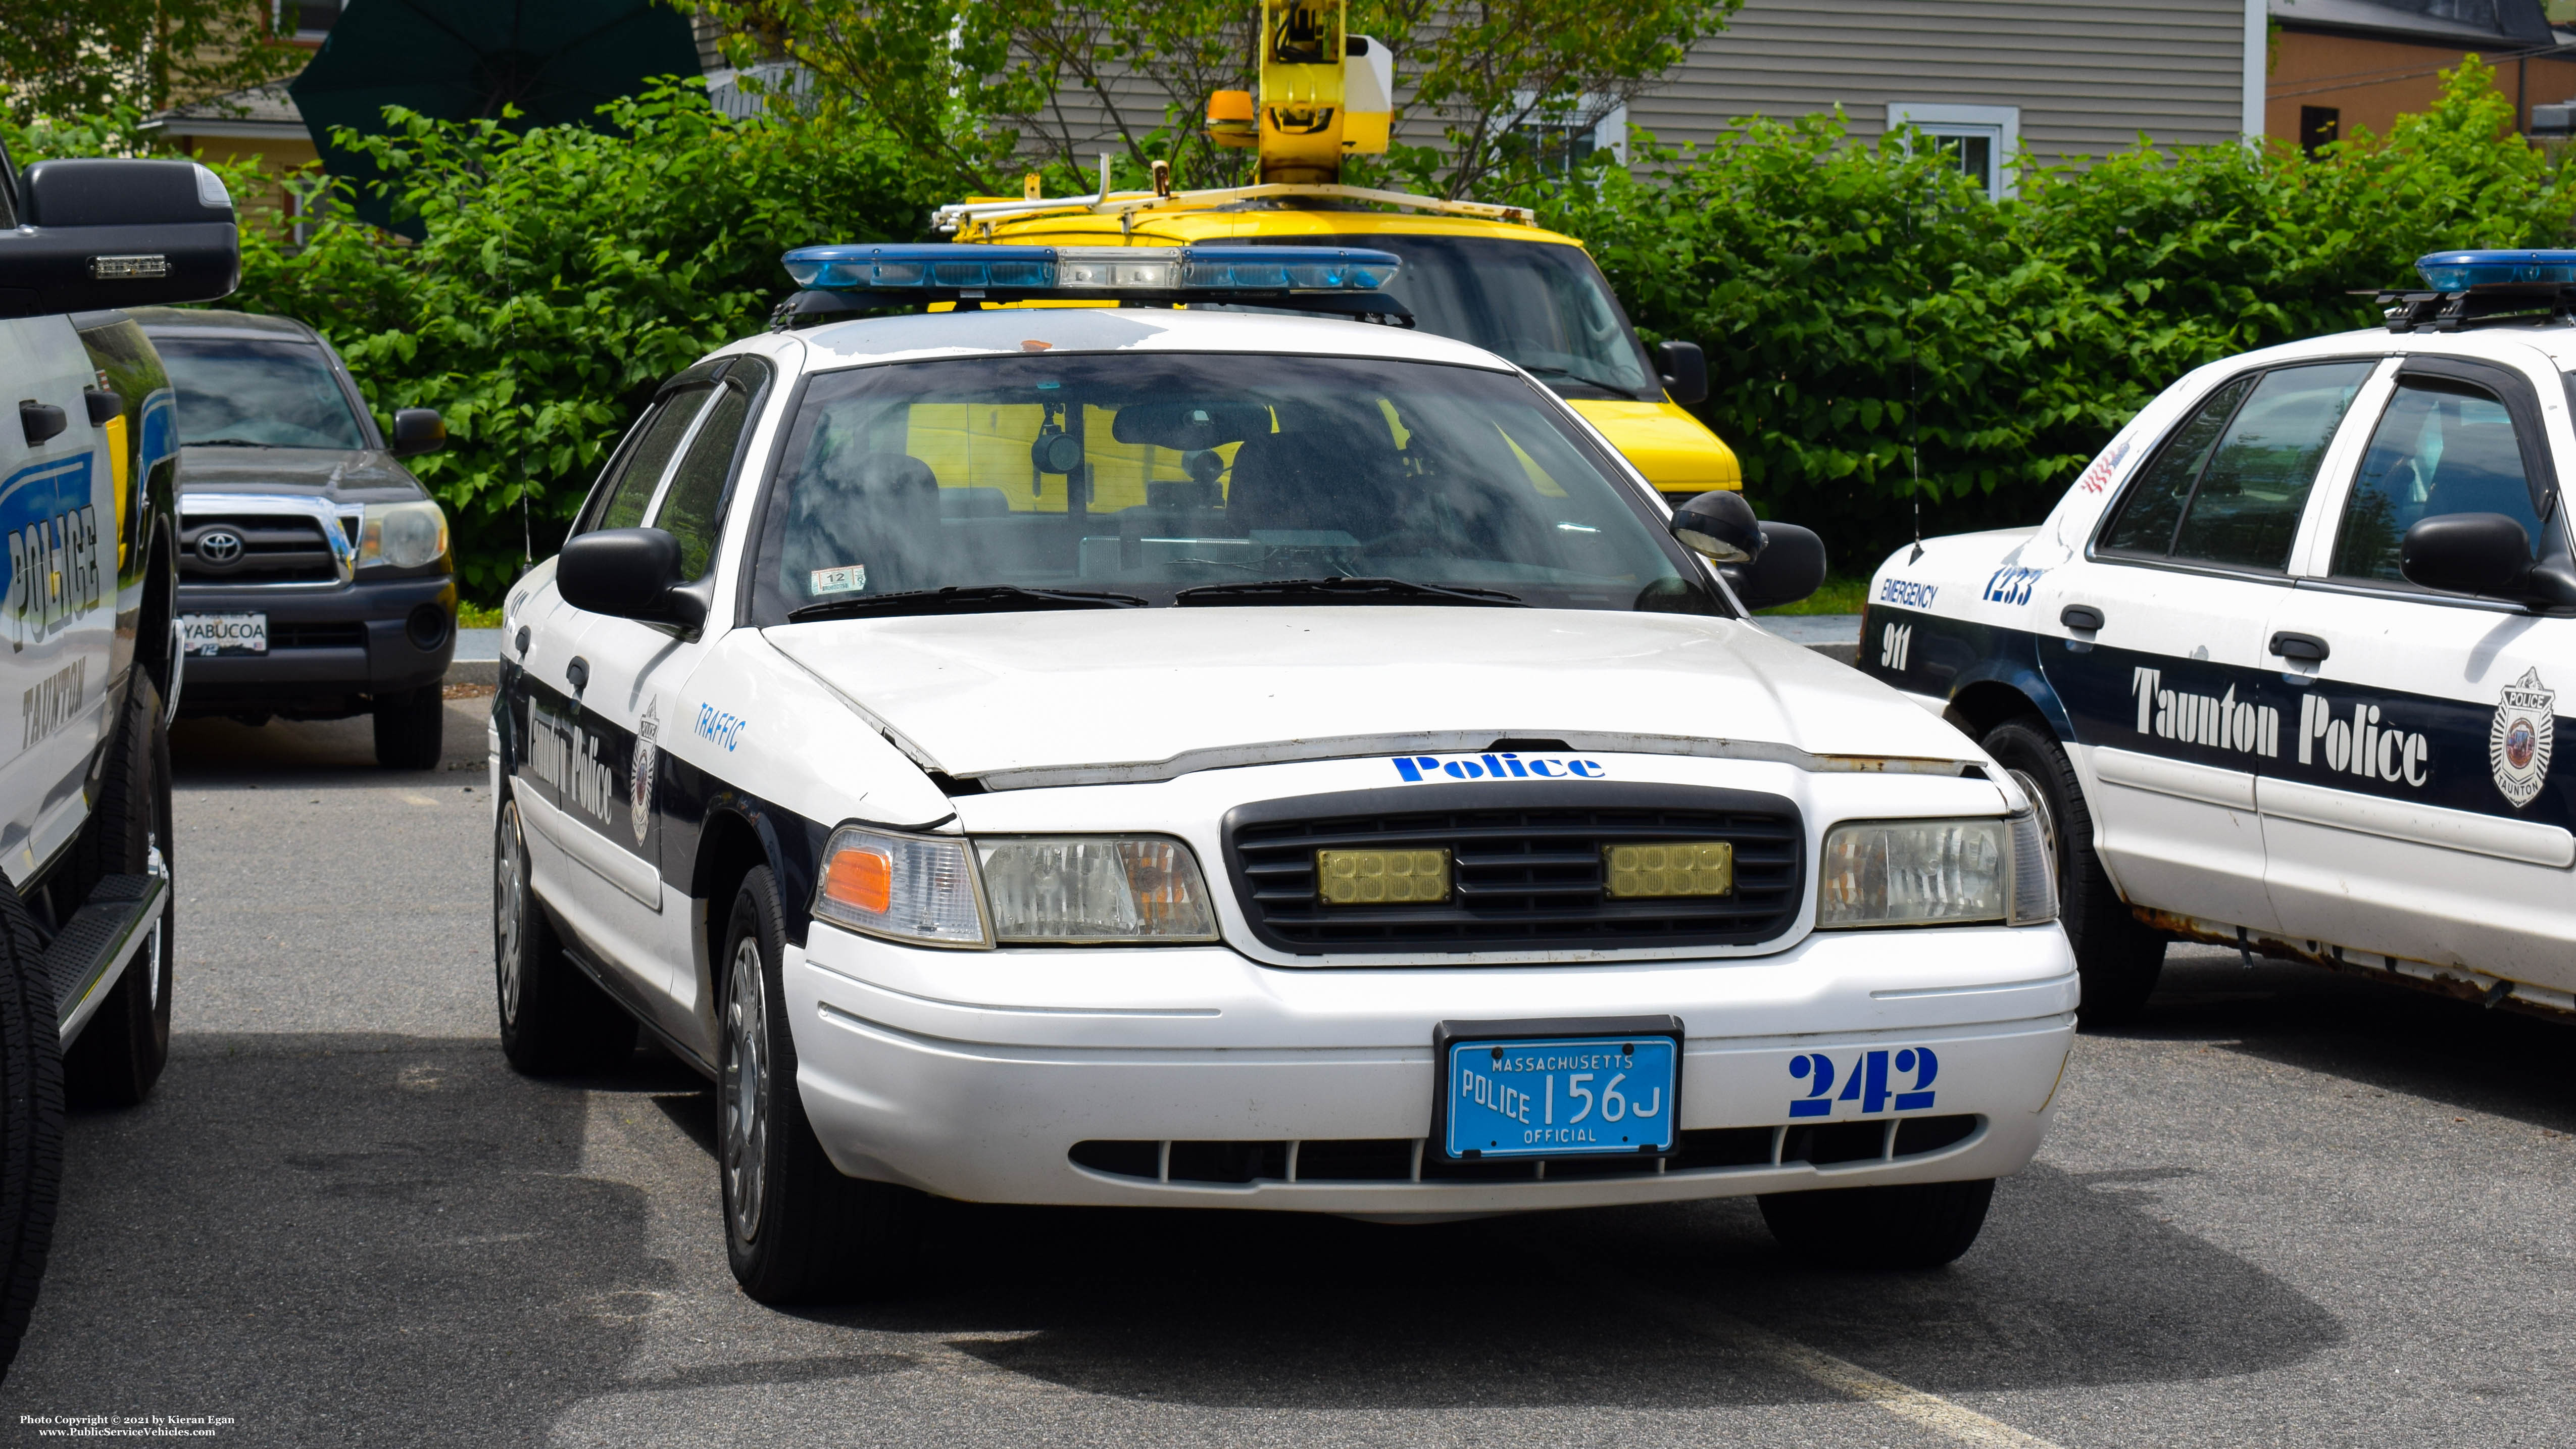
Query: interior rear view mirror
x,y
89,235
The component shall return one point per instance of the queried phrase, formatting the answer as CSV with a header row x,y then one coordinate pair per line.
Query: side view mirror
x,y
2481,553
2466,553
629,573
1790,567
1683,370
417,431
91,235
1719,526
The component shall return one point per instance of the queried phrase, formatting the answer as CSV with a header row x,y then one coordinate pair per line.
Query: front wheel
x,y
126,1042
796,1230
1911,1225
2117,956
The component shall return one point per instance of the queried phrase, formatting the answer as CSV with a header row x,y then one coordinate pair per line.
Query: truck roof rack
x,y
1125,205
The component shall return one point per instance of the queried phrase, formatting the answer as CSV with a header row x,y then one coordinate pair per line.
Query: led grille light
x,y
958,267
1382,877
2461,271
1678,868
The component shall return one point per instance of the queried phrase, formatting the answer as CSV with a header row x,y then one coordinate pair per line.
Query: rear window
x,y
257,393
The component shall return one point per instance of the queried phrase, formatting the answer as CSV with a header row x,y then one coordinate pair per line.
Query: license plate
x,y
1559,1093
223,633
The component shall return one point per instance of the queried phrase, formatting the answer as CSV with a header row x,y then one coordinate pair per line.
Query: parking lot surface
x,y
2290,1208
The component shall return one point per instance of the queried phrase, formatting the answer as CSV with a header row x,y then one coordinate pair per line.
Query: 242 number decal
x,y
1865,1081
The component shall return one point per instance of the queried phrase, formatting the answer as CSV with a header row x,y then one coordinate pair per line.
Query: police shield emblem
x,y
639,779
2518,745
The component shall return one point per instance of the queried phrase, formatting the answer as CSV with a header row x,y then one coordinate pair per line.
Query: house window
x,y
312,19
1560,139
2319,126
1983,140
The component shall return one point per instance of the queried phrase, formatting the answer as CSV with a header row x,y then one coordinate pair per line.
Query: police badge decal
x,y
639,776
2526,724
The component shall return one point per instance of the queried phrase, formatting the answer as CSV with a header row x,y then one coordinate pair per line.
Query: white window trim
x,y
2001,124
1609,127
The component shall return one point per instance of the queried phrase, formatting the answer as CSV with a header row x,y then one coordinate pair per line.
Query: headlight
x,y
402,535
909,887
1915,873
1080,890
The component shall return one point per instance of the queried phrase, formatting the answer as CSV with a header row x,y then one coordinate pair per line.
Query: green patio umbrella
x,y
557,61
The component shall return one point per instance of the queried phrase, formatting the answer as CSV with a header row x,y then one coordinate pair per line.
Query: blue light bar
x,y
2461,271
965,267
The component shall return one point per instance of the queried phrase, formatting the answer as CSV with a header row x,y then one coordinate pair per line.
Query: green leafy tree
x,y
565,273
93,56
977,86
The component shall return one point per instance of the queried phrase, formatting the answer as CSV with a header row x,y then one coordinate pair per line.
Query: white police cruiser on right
x,y
2284,667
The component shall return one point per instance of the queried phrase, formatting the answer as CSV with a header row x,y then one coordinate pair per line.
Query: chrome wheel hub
x,y
156,865
743,1098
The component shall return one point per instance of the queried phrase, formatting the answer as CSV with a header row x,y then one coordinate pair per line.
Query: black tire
x,y
2117,955
126,1042
31,1122
796,1230
411,728
554,1020
1913,1225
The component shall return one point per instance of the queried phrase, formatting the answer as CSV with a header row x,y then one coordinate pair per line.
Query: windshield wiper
x,y
1585,378
978,599
1342,591
228,443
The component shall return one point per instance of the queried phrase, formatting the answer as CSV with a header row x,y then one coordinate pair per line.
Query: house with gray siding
x,y
2070,79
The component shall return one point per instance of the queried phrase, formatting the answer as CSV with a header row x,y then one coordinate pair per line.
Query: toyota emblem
x,y
220,547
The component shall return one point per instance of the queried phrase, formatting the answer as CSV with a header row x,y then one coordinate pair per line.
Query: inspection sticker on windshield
x,y
847,579
1560,1096
204,634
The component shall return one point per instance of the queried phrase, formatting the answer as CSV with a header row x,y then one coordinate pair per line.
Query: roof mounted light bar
x,y
2473,286
970,270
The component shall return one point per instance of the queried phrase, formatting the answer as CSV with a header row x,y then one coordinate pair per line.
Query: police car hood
x,y
1112,694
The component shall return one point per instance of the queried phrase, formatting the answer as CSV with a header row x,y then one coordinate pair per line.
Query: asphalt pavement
x,y
2292,1208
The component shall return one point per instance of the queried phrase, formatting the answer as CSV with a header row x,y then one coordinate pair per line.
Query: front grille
x,y
316,636
1409,1159
1527,866
273,549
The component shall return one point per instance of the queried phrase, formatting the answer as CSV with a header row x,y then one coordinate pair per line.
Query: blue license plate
x,y
1559,1096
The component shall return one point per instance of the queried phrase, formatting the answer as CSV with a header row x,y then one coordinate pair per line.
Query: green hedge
x,y
1869,317
1877,331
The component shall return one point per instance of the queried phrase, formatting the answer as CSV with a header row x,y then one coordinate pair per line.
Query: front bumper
x,y
378,655
974,1075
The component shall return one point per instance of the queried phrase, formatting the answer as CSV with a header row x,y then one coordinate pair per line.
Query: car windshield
x,y
1544,305
1099,479
252,392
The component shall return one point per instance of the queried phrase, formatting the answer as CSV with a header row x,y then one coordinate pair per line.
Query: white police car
x,y
1127,755
2283,667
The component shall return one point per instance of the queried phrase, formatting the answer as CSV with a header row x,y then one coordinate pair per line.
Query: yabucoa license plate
x,y
1579,1088
223,633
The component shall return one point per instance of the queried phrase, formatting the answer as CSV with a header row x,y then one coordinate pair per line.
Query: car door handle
x,y
2080,616
578,671
2300,646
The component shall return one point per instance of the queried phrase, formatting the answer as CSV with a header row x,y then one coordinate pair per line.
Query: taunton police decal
x,y
2526,720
